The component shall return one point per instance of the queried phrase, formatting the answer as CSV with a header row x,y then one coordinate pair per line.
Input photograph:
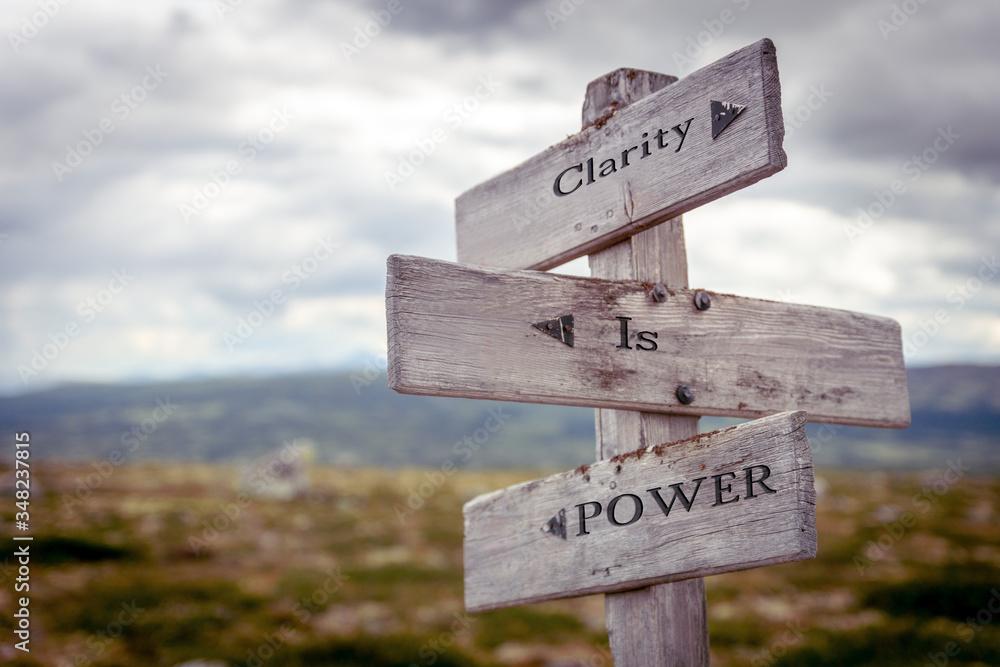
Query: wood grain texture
x,y
654,255
459,330
515,220
678,613
618,431
618,89
514,555
665,624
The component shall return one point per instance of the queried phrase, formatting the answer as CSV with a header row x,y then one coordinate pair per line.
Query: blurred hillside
x,y
355,419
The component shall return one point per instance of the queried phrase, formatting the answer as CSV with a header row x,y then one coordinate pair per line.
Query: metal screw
x,y
702,301
549,326
685,395
567,327
659,293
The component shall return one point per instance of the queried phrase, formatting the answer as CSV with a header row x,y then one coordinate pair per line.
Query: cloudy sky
x,y
171,168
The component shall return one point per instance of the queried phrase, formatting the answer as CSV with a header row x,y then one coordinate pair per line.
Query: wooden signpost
x,y
653,160
544,338
734,499
662,504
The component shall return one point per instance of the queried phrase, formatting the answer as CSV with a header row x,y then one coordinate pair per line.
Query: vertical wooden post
x,y
664,625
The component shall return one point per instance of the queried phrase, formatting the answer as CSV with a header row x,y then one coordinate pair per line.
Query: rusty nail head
x,y
685,395
702,301
659,293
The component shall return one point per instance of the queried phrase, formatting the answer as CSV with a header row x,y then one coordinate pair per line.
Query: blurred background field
x,y
307,520
163,563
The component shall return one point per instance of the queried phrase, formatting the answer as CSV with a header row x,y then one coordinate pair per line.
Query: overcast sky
x,y
168,165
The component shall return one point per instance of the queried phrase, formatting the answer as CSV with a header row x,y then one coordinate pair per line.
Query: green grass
x,y
524,624
956,592
901,644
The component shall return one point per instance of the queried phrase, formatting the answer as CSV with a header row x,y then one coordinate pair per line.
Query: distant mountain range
x,y
354,419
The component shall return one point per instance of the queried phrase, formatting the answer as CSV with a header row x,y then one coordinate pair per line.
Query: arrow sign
x,y
459,330
649,162
560,328
729,500
723,113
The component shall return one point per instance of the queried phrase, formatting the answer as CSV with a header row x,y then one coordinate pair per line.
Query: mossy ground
x,y
155,567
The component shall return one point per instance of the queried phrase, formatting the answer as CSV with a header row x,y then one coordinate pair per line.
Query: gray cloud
x,y
354,119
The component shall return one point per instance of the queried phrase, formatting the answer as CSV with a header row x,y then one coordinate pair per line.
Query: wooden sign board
x,y
714,132
534,337
733,499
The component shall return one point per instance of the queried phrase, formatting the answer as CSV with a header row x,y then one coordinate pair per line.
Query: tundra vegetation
x,y
908,573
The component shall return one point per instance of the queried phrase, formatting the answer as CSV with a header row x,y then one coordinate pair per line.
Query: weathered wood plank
x,y
459,330
660,625
663,165
653,255
666,624
733,499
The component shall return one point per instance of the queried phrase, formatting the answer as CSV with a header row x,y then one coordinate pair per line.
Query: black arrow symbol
x,y
724,113
556,525
560,328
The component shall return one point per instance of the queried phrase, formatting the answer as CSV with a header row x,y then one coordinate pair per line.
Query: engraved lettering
x,y
624,333
559,191
643,337
678,492
609,165
636,513
584,517
728,488
751,481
